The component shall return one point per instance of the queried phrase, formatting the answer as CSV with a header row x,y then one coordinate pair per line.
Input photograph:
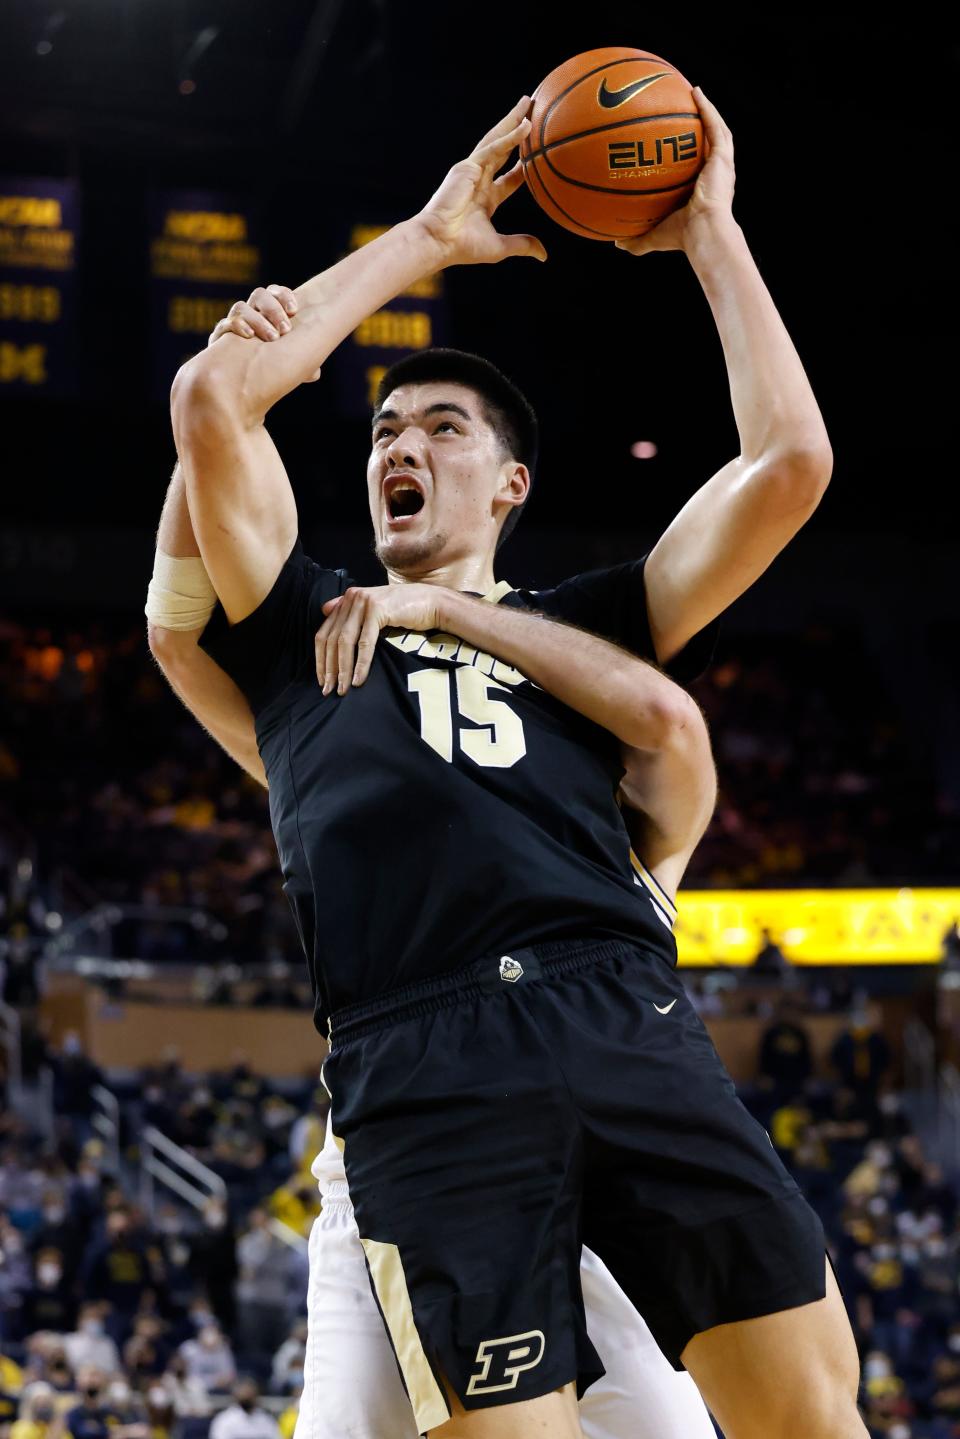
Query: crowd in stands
x,y
135,1324
146,1323
142,808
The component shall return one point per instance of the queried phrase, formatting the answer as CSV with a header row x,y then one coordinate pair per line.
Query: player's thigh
x,y
552,1416
351,1384
795,1373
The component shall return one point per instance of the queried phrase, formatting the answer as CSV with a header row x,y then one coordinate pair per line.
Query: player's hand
x,y
267,315
712,196
347,638
459,217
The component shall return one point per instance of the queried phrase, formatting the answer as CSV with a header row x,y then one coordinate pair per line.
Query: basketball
x,y
615,143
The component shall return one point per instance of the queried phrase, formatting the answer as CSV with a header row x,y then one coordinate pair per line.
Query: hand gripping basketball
x,y
459,217
712,197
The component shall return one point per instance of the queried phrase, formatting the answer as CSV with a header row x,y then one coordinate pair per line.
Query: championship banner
x,y
415,320
39,230
204,254
815,926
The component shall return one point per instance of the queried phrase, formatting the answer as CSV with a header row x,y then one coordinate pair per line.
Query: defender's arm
x,y
209,694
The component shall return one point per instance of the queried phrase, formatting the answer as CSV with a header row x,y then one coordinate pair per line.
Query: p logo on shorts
x,y
510,970
502,1361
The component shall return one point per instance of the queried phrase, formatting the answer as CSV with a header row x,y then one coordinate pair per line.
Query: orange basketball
x,y
615,143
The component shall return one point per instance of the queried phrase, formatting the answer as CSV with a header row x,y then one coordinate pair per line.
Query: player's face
x,y
435,470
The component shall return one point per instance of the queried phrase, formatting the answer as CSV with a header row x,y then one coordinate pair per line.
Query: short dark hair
x,y
506,409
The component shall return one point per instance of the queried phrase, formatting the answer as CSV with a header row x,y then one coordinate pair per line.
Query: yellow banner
x,y
815,926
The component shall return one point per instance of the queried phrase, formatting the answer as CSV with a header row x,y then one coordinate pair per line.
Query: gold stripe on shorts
x,y
386,1269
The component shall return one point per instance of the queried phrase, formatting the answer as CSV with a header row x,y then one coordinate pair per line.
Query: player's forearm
x,y
210,695
614,689
776,412
253,377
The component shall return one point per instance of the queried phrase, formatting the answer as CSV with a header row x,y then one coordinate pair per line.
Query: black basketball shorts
x,y
497,1118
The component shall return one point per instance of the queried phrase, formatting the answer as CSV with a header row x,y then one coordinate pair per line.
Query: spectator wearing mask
x,y
49,1304
90,1418
91,1346
263,1287
244,1419
209,1359
124,1409
59,1230
213,1253
287,1373
38,1415
161,1415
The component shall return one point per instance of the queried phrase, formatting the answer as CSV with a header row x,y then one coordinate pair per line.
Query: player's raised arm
x,y
239,495
729,532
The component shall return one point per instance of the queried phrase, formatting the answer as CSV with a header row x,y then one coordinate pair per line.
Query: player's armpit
x,y
671,794
241,504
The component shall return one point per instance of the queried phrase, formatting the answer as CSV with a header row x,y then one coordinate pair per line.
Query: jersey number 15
x,y
497,744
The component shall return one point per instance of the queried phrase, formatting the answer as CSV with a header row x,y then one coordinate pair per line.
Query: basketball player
x,y
494,1110
351,1384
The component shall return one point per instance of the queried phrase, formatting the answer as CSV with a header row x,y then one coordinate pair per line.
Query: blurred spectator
x,y
91,1346
120,1269
296,1203
209,1359
287,1371
263,1286
146,1352
785,1061
244,1419
38,1415
161,1415
951,946
90,1418
279,990
75,1077
861,1054
59,1231
213,1254
49,1303
771,962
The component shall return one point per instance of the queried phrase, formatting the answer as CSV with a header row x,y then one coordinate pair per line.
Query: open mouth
x,y
404,502
404,498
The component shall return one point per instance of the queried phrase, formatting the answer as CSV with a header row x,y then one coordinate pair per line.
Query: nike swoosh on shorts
x,y
665,1008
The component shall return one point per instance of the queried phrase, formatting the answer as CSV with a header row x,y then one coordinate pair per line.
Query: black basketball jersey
x,y
449,808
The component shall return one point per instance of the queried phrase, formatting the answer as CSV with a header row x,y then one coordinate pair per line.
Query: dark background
x,y
349,110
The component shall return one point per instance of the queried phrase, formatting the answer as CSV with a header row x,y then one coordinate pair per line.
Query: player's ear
x,y
514,482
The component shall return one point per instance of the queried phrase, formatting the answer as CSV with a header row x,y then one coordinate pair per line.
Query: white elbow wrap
x,y
180,595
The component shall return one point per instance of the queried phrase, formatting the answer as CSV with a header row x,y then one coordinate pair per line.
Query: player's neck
x,y
473,573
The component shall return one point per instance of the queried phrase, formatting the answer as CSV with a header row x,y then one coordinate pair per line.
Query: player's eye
x,y
449,424
384,430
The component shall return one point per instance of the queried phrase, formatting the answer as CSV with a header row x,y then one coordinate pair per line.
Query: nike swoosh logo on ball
x,y
610,99
665,1009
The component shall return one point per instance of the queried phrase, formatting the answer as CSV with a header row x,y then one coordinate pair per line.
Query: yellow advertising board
x,y
815,926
